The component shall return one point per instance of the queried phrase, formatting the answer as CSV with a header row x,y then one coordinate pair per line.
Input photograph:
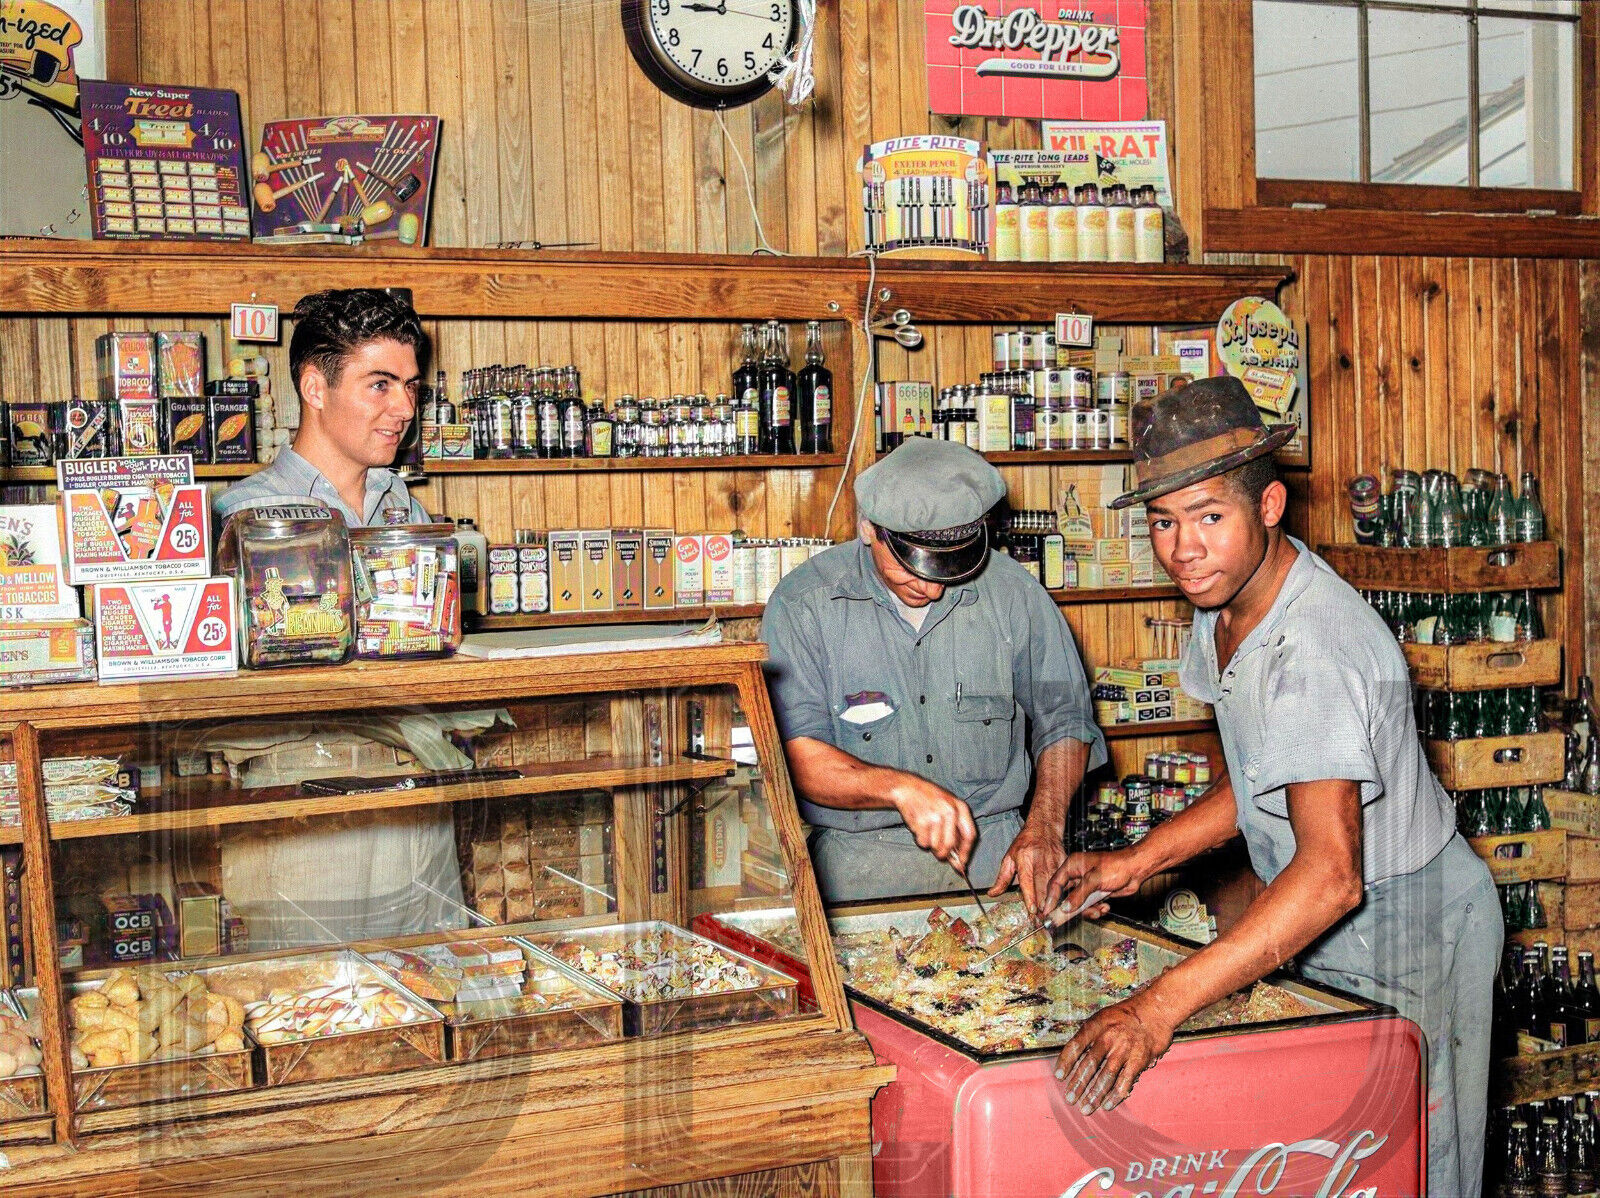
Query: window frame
x,y
1419,197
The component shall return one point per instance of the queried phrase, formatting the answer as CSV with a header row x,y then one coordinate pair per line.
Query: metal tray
x,y
339,1055
144,1082
775,996
503,1027
21,1094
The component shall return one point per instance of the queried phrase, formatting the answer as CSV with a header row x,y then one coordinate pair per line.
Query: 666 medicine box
x,y
129,519
165,629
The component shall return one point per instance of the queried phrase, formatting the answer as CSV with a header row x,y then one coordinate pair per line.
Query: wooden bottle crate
x,y
1533,566
1539,1077
1523,856
1485,665
1573,812
1529,760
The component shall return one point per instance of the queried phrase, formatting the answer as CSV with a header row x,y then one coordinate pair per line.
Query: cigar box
x,y
33,576
131,519
199,920
659,574
179,629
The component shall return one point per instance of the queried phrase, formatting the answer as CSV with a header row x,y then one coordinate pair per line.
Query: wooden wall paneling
x,y
1588,400
1334,462
1480,348
768,119
1417,430
833,151
1575,440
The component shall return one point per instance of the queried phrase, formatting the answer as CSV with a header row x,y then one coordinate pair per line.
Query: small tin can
x,y
1051,428
1014,348
1049,385
1099,429
88,429
1002,350
1118,426
1077,386
791,552
744,571
185,427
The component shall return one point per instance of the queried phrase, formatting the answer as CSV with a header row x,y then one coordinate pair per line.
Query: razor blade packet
x,y
407,581
134,519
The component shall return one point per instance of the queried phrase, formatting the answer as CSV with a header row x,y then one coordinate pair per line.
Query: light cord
x,y
868,377
793,72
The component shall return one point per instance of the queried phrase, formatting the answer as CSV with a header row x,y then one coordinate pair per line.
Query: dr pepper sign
x,y
1080,61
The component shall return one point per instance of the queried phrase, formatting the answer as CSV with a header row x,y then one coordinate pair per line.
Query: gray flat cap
x,y
927,485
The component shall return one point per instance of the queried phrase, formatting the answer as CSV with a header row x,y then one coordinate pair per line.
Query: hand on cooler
x,y
1082,874
1102,1061
940,822
1032,862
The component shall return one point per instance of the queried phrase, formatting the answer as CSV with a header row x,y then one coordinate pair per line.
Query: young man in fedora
x,y
1368,882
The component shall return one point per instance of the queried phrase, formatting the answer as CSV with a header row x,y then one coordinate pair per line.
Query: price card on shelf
x,y
254,322
1074,328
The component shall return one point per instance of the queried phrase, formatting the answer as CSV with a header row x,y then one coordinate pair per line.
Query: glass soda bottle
x,y
1530,512
1518,1177
814,396
1502,513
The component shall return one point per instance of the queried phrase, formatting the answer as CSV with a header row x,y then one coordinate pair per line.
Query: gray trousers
x,y
886,862
1428,944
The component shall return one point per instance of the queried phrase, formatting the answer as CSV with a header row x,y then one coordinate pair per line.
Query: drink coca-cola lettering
x,y
1261,1173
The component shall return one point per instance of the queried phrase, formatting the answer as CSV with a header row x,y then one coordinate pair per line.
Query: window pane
x,y
1418,78
1307,87
1562,7
1525,103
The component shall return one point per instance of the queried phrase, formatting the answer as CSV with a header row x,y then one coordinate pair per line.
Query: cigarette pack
x,y
689,574
598,566
41,653
180,363
719,567
165,629
627,548
659,580
125,365
33,578
566,571
128,519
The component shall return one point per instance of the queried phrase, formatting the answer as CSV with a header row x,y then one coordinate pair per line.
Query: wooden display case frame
x,y
599,1119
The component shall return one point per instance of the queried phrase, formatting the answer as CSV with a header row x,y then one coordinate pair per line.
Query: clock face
x,y
710,52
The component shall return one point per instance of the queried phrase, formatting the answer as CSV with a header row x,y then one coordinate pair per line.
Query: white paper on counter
x,y
604,638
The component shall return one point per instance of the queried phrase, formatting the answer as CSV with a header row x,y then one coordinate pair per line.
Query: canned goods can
x,y
1050,428
1078,386
791,552
1014,349
1099,429
1030,350
1105,390
1078,428
1049,385
1120,384
1002,350
768,570
1118,425
744,572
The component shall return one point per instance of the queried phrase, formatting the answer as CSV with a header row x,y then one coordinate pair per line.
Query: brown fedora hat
x,y
1196,432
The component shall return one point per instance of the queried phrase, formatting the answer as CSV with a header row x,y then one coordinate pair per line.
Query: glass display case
x,y
450,870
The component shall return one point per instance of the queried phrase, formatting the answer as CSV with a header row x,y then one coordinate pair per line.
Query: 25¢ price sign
x,y
254,322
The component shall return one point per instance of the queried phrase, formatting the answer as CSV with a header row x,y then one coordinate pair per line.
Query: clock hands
x,y
721,9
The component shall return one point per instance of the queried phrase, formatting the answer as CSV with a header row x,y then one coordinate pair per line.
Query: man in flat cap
x,y
1368,882
920,685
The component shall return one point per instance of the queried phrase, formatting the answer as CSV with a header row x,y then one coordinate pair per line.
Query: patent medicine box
x,y
130,519
177,629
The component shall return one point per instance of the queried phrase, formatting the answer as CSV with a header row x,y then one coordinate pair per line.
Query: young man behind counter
x,y
354,360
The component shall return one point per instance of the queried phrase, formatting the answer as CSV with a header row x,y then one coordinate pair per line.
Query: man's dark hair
x,y
1250,481
329,326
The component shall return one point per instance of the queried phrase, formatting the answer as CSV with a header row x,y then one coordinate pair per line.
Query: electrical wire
x,y
868,376
793,73
763,246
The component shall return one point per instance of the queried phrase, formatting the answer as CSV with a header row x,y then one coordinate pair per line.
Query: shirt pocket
x,y
983,730
876,743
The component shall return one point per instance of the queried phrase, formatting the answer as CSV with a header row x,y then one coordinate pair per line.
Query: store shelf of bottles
x,y
1139,594
758,461
1054,457
47,474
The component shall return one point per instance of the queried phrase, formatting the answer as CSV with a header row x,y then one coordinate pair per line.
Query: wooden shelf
x,y
754,461
1053,457
1419,234
1160,728
40,276
208,803
47,474
1115,594
359,685
1532,566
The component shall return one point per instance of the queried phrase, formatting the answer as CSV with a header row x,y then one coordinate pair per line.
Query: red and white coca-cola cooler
x,y
1326,1105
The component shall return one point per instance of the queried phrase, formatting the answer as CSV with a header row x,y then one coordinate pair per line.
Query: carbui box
x,y
131,519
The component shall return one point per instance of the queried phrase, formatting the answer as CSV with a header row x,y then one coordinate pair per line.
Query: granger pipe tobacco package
x,y
132,519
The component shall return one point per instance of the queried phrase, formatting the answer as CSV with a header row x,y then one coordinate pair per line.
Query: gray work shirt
x,y
290,479
944,702
1320,690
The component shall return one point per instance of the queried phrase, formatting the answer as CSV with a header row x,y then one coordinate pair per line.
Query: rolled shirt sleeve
x,y
1050,681
794,670
1315,715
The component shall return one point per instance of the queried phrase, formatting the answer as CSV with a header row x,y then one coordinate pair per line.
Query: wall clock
x,y
709,53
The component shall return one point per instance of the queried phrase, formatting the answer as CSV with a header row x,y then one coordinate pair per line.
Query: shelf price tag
x,y
1074,328
254,322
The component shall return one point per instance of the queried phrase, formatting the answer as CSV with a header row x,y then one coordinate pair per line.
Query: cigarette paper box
x,y
168,629
689,576
598,566
33,574
627,549
130,519
660,576
719,567
566,571
199,920
37,653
